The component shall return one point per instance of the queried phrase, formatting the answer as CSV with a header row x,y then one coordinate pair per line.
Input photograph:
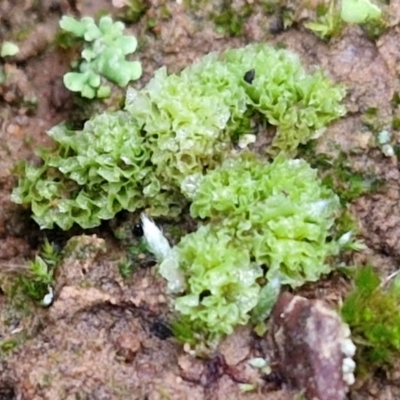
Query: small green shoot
x,y
328,23
50,254
230,20
141,248
7,346
396,123
371,119
39,277
372,311
125,268
346,229
37,280
137,255
182,331
134,10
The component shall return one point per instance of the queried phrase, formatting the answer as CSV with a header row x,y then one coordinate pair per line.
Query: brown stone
x,y
127,346
308,336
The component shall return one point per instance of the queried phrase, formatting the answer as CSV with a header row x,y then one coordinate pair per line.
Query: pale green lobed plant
x,y
171,133
276,215
175,144
103,56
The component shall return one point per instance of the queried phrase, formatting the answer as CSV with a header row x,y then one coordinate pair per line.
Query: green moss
x,y
338,174
151,23
350,184
125,268
395,99
271,7
231,21
277,215
35,282
263,224
165,12
396,149
375,29
264,205
134,11
371,119
396,123
172,132
328,22
372,311
83,247
89,176
65,40
8,345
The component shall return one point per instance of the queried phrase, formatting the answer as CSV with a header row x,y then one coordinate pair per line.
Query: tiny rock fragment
x,y
236,347
191,368
127,346
310,338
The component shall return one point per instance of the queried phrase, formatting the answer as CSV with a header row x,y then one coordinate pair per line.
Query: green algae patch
x,y
172,132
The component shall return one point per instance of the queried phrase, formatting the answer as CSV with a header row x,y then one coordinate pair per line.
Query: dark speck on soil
x,y
161,330
137,230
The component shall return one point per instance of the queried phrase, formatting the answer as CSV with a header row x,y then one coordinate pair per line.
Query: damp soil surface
x,y
105,336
